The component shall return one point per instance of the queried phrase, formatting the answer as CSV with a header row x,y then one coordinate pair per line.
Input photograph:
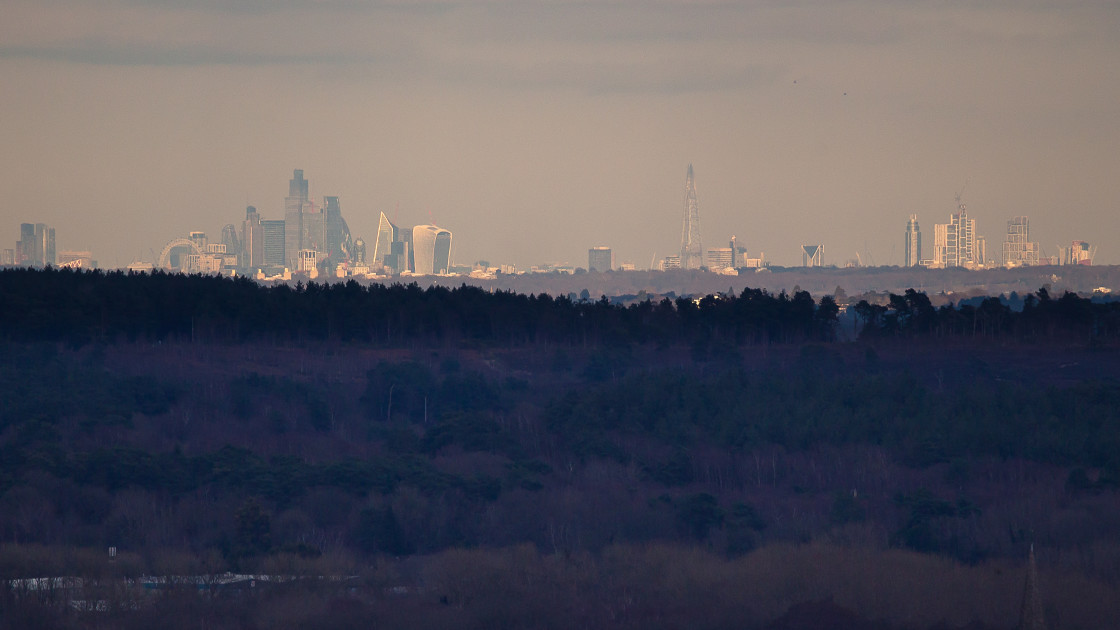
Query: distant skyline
x,y
536,129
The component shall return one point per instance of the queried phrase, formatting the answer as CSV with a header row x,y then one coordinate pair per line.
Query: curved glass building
x,y
431,249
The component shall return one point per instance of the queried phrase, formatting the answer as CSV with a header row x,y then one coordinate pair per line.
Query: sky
x,y
535,129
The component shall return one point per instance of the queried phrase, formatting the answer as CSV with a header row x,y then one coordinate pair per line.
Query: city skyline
x,y
266,247
809,124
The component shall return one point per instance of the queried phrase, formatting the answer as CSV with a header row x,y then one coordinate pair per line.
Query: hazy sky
x,y
534,129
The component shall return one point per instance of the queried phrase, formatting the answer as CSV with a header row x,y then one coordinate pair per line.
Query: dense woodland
x,y
463,458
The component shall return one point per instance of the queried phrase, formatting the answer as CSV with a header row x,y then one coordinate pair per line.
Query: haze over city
x,y
535,130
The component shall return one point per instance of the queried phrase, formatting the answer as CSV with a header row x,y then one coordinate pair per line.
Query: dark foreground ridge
x,y
644,467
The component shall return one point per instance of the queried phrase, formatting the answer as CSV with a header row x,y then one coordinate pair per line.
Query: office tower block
x,y
396,261
25,248
599,259
1018,250
811,255
1078,253
409,261
954,243
44,244
692,252
431,249
230,240
720,258
383,243
273,239
913,242
294,208
338,239
252,240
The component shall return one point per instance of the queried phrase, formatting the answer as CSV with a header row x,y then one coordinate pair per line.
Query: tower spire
x,y
692,252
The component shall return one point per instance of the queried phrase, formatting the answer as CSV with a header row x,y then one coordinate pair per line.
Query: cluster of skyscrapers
x,y
36,248
957,244
312,239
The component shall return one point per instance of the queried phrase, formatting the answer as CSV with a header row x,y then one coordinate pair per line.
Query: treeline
x,y
79,307
1069,317
83,306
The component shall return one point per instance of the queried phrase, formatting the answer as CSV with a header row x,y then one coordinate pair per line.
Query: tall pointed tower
x,y
692,252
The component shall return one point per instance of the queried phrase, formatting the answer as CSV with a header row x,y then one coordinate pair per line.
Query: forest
x,y
439,457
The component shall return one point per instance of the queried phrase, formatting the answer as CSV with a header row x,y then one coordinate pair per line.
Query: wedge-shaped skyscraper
x,y
383,244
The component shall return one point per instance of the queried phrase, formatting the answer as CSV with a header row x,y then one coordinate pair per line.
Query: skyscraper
x,y
692,252
25,248
44,243
338,240
599,259
913,242
294,205
252,240
383,242
431,249
954,243
1018,250
811,255
230,240
273,239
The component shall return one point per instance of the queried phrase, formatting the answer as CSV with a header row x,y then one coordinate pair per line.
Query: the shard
x,y
692,252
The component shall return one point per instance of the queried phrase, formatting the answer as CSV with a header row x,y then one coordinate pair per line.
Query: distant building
x,y
600,259
76,260
721,258
308,262
8,257
811,255
913,242
25,247
252,240
692,252
1079,253
670,262
396,261
273,239
383,243
431,247
954,243
339,244
1018,250
35,246
305,225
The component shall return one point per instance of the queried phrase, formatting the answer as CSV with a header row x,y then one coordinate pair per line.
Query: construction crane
x,y
960,206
